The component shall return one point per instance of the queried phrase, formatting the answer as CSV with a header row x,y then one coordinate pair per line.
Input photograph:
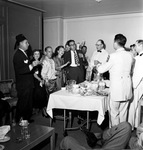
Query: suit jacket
x,y
138,71
119,66
23,75
67,57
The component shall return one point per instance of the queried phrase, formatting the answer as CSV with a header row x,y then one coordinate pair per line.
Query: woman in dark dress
x,y
39,94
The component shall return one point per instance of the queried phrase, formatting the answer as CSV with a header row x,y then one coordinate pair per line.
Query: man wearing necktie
x,y
99,56
74,70
137,78
24,79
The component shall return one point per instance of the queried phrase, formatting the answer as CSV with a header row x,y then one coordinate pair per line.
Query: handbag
x,y
50,85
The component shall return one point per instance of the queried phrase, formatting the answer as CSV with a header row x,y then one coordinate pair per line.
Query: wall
x,y
104,27
53,32
4,53
17,19
93,28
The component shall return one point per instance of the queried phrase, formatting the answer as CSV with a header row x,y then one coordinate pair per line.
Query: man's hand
x,y
95,69
96,62
35,63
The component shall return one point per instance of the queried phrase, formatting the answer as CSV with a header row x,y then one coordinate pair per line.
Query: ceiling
x,y
84,8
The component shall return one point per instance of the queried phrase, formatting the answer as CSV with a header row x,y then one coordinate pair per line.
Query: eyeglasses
x,y
98,44
72,44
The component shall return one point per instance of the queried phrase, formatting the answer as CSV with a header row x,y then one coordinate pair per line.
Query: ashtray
x,y
24,123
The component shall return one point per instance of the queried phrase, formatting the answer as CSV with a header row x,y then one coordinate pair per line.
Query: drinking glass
x,y
25,132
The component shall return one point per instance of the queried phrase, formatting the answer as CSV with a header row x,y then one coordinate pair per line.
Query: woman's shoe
x,y
44,113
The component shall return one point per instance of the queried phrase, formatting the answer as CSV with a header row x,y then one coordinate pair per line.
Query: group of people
x,y
125,82
126,73
38,77
126,88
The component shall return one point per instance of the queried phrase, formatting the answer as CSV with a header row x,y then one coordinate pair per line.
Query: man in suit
x,y
119,66
24,79
74,70
115,138
137,78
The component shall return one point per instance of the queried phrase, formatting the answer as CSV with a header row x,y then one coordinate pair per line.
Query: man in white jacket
x,y
133,116
119,66
100,55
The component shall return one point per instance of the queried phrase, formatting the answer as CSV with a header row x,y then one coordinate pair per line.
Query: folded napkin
x,y
6,98
3,131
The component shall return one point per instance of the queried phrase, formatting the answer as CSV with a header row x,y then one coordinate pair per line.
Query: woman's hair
x,y
57,49
38,50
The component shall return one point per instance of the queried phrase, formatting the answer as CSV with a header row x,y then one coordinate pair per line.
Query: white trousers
x,y
118,111
133,116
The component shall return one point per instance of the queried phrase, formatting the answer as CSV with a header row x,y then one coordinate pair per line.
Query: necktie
x,y
108,58
99,51
76,58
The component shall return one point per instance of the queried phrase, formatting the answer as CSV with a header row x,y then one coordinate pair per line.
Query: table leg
x,y
70,119
64,119
52,140
87,120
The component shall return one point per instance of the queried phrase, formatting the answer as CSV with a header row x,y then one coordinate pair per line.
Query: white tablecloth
x,y
64,100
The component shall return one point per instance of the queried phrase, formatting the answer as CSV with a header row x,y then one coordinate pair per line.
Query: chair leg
x,y
87,120
10,117
64,119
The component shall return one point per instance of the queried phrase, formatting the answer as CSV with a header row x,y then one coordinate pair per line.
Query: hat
x,y
19,38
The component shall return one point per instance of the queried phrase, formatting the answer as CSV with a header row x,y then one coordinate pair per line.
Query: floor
x,y
58,125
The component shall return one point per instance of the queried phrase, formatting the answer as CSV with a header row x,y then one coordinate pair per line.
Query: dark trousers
x,y
24,104
75,73
115,138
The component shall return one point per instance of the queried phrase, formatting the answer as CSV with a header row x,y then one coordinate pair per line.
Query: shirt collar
x,y
100,51
46,57
120,49
23,51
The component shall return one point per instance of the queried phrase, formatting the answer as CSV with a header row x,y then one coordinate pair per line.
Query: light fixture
x,y
98,1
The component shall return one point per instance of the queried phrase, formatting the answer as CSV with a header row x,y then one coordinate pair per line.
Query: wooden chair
x,y
5,88
140,105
